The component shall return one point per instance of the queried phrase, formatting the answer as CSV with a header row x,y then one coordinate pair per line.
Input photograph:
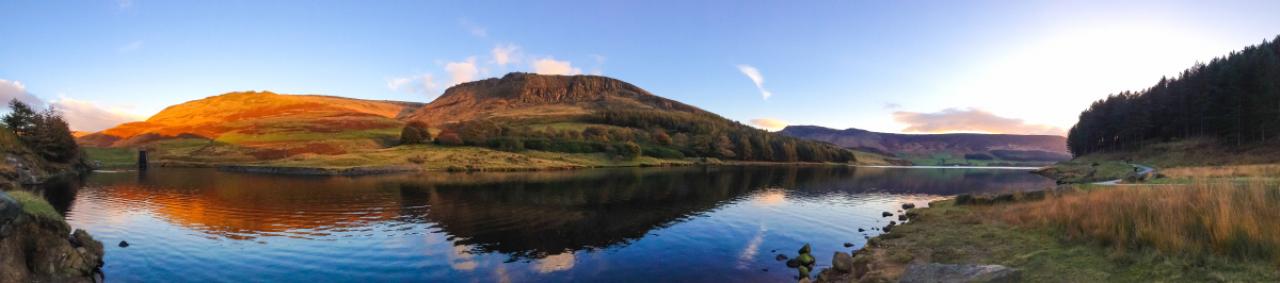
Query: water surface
x,y
687,224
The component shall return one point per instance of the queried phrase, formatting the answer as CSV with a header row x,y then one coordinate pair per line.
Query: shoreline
x,y
403,169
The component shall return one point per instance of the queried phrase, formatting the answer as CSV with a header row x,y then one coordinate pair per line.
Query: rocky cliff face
x,y
38,248
530,95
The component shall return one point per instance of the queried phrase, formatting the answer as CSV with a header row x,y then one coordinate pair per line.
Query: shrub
x,y
450,139
415,132
418,159
507,144
537,143
628,150
662,152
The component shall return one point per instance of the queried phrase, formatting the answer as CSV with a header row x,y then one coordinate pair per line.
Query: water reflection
x,y
558,225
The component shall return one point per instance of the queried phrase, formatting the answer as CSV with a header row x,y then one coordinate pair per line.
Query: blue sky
x,y
895,66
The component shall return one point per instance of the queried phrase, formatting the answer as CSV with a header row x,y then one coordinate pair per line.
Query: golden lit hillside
x,y
266,120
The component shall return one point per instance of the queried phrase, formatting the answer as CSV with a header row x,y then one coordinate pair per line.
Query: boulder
x,y
886,214
10,209
793,263
842,262
947,273
908,205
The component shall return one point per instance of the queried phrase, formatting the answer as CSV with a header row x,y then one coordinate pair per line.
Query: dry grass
x,y
1213,172
1238,220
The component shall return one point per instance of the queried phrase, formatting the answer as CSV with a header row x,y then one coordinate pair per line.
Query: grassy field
x,y
111,157
422,157
1083,171
1191,153
1205,233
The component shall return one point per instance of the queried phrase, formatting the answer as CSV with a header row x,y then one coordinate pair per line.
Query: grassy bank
x,y
1087,171
414,157
35,205
1183,233
1191,153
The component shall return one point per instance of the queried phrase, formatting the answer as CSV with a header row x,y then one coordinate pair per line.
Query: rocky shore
x,y
878,262
36,245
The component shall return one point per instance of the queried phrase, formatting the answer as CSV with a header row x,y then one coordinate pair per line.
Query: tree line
x,y
44,132
627,134
1234,99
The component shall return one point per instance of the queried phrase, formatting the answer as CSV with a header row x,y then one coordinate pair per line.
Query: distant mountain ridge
x,y
976,146
598,119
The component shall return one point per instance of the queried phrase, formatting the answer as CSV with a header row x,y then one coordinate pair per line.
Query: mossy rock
x,y
35,205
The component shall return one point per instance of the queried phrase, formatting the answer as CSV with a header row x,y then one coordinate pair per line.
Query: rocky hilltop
x,y
524,95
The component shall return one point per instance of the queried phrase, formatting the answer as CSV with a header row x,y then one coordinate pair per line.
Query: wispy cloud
x,y
755,76
892,106
130,47
969,120
88,116
505,54
424,84
461,72
551,66
10,90
769,124
599,68
124,4
473,28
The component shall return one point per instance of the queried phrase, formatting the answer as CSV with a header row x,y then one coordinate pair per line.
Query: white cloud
x,y
87,116
770,124
132,46
969,120
461,72
755,76
550,66
424,84
505,54
599,69
10,90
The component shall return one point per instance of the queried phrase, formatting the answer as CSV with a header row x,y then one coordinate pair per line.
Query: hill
x,y
944,149
265,124
524,95
581,114
520,121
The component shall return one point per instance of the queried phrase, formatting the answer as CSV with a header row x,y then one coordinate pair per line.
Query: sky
x,y
1024,67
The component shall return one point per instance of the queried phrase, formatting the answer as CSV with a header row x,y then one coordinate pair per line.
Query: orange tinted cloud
x,y
952,120
770,124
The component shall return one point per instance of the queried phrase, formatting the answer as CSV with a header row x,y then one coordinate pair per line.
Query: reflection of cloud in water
x,y
753,247
771,197
462,259
557,262
501,274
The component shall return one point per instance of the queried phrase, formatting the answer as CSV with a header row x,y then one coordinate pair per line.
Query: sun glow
x,y
1065,71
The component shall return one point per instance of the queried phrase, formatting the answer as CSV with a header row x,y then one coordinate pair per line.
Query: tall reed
x,y
1235,171
1240,220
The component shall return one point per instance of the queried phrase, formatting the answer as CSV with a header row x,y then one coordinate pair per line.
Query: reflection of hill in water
x,y
529,214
